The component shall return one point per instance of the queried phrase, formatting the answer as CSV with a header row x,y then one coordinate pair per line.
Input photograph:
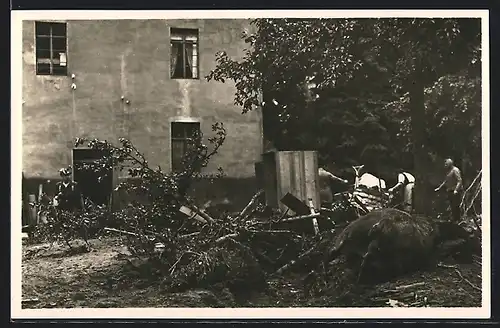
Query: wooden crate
x,y
294,172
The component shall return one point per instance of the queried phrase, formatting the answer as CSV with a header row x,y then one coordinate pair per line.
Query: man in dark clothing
x,y
68,195
453,184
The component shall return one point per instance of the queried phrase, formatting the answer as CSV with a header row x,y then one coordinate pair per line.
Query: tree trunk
x,y
418,124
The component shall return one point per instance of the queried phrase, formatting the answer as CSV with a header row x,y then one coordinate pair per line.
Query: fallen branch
x,y
30,300
189,235
410,285
243,213
122,232
156,234
226,237
460,275
294,262
172,268
192,214
202,213
470,186
403,287
471,205
271,231
302,217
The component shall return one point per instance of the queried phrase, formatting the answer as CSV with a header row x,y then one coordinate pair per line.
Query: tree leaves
x,y
318,80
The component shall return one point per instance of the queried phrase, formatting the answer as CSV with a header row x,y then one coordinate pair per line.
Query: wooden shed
x,y
294,172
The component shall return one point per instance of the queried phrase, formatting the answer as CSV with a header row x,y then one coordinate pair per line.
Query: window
x,y
51,57
184,53
182,134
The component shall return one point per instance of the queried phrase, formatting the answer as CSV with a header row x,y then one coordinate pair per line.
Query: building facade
x,y
139,79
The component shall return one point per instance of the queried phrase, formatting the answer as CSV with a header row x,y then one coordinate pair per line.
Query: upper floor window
x,y
184,53
51,56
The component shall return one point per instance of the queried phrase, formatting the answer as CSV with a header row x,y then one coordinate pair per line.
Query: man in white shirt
x,y
404,187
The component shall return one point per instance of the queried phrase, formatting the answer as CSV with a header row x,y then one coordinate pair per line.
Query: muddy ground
x,y
107,277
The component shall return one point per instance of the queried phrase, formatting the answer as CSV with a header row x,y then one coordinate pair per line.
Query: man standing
x,y
325,180
404,188
68,196
453,184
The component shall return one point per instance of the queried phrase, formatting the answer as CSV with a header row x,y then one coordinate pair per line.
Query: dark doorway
x,y
96,186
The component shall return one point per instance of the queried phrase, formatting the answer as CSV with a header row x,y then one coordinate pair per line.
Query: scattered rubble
x,y
331,252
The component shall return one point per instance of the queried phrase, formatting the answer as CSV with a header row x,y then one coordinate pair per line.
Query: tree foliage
x,y
325,84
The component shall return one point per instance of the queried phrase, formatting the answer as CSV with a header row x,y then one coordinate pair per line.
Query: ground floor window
x,y
182,134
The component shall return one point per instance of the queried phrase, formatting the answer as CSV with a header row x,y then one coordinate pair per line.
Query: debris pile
x,y
256,245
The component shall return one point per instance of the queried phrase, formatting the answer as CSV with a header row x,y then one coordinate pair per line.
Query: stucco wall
x,y
131,58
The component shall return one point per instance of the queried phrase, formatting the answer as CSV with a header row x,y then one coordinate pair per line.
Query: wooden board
x,y
297,174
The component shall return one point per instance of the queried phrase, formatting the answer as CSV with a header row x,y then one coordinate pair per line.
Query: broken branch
x,y
223,238
460,275
302,217
293,262
243,213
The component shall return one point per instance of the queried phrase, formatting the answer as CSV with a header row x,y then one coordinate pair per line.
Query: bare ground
x,y
52,277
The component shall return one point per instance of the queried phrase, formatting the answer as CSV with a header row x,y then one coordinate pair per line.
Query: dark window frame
x,y
184,139
54,68
184,34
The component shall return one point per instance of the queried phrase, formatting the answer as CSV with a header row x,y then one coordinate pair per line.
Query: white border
x,y
233,313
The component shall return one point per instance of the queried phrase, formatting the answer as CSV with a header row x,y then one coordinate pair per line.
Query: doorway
x,y
96,186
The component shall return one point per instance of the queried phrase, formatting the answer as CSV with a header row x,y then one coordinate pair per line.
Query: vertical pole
x,y
51,51
314,220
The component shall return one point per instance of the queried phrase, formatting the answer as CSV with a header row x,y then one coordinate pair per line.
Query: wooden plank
x,y
301,177
283,168
295,204
270,179
39,199
32,209
311,176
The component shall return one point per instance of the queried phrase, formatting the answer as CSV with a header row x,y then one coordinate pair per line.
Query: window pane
x,y
43,69
178,62
59,44
189,71
178,130
192,129
43,43
195,72
42,28
59,29
185,129
59,70
42,53
56,54
177,154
